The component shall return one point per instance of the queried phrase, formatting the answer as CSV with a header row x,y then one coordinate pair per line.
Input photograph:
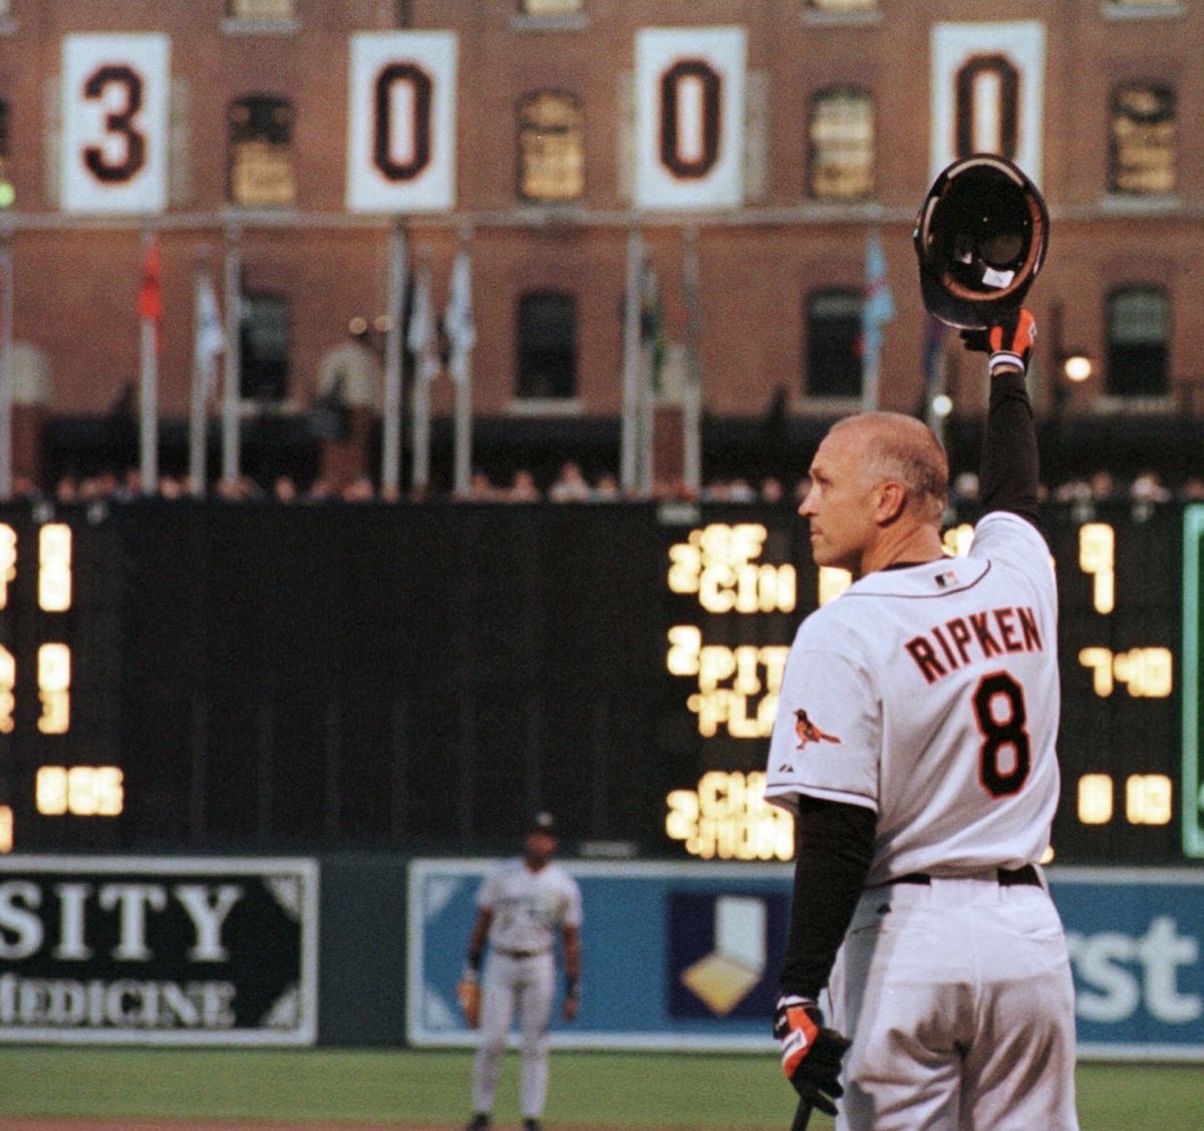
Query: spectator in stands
x,y
606,489
284,490
772,490
1192,489
522,488
358,490
570,485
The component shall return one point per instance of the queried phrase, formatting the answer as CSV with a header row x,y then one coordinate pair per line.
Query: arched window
x,y
1143,142
265,340
547,346
833,362
840,145
551,147
1138,342
261,152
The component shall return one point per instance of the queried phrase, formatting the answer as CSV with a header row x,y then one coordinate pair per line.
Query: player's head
x,y
876,476
540,840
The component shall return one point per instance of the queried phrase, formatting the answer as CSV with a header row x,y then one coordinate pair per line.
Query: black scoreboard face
x,y
207,677
1129,578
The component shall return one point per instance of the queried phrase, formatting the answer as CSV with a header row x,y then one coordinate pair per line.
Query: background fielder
x,y
921,819
520,908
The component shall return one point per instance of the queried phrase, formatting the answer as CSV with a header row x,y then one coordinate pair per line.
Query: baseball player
x,y
520,909
915,744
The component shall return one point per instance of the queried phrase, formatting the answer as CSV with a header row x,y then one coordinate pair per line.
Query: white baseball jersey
x,y
929,694
529,907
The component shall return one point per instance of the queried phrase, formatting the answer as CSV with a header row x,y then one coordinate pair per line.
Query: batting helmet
x,y
980,236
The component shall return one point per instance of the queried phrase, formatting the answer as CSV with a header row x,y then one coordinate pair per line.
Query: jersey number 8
x,y
1002,733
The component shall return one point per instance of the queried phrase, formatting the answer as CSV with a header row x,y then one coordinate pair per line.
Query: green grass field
x,y
410,1089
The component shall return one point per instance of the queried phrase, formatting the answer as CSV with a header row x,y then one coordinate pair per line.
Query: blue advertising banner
x,y
686,955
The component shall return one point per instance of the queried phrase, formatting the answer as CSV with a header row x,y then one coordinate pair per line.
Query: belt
x,y
520,953
1006,877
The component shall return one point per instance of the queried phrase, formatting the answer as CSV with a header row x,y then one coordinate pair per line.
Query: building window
x,y
261,152
1142,152
550,7
262,11
840,145
833,320
265,334
1138,342
547,346
551,150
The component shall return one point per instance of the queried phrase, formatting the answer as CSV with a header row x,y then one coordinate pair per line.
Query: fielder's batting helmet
x,y
980,236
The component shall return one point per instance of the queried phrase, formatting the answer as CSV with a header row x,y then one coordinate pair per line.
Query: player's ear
x,y
891,501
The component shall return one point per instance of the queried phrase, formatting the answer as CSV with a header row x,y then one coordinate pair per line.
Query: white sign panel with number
x,y
115,123
689,117
401,127
987,84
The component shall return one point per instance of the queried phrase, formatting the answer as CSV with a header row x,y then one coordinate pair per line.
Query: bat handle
x,y
802,1116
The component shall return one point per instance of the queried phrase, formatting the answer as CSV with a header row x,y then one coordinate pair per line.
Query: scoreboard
x,y
180,675
1130,635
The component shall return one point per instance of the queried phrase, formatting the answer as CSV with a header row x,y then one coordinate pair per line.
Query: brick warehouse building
x,y
845,110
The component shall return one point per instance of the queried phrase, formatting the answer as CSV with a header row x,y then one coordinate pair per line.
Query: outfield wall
x,y
364,950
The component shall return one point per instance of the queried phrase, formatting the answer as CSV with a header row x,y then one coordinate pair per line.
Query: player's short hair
x,y
904,448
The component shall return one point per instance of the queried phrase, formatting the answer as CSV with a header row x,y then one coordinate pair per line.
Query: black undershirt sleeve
x,y
1009,471
833,845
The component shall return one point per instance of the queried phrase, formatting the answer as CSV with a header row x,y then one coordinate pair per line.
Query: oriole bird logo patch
x,y
807,731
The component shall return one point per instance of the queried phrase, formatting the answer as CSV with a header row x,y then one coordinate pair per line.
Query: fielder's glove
x,y
811,1053
468,994
1008,342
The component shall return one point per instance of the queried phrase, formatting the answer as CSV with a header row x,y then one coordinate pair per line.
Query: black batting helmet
x,y
980,236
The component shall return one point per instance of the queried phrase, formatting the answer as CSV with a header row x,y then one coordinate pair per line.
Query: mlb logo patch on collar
x,y
946,579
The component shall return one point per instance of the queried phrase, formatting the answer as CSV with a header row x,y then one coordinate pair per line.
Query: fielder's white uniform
x,y
929,695
528,909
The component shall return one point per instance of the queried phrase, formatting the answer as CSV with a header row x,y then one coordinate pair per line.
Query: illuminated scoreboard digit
x,y
41,734
1131,642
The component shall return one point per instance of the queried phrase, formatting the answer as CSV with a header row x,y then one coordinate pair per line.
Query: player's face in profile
x,y
839,501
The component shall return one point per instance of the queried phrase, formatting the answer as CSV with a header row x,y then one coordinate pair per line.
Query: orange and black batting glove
x,y
811,1053
1008,341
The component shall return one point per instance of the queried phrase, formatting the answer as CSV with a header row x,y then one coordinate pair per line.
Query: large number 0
x,y
690,152
421,91
1002,733
118,122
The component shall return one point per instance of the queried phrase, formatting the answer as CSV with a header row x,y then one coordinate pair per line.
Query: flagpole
x,y
231,455
421,335
877,309
148,387
6,366
196,413
647,372
461,361
692,394
390,460
628,452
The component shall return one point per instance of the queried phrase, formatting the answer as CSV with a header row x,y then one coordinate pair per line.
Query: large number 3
x,y
1007,732
118,122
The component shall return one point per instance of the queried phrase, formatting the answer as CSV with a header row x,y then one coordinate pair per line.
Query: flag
x,y
457,318
150,294
210,333
652,321
877,309
420,338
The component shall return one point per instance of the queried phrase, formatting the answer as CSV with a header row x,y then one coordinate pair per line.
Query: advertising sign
x,y
686,955
158,951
